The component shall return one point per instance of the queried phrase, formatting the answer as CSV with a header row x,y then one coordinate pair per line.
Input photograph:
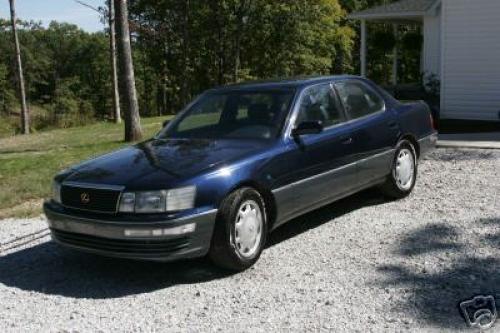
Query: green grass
x,y
28,163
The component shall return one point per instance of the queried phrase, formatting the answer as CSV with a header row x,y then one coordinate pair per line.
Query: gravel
x,y
362,264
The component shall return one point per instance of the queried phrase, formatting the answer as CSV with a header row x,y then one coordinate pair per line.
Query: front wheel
x,y
403,176
240,230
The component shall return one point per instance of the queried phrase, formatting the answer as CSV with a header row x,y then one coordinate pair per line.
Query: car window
x,y
320,103
206,114
358,99
233,114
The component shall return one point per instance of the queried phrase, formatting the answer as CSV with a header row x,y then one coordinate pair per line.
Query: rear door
x,y
375,129
321,166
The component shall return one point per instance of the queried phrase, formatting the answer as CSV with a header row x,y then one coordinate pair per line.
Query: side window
x,y
358,99
320,103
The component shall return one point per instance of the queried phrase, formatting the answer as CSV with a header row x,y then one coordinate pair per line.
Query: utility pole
x,y
25,122
114,68
112,53
128,92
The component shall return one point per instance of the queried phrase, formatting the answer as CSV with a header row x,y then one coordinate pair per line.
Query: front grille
x,y
91,199
136,247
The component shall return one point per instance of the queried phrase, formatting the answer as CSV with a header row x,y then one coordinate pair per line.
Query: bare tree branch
x,y
88,6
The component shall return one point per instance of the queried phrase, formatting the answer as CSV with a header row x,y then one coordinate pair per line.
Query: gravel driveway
x,y
362,264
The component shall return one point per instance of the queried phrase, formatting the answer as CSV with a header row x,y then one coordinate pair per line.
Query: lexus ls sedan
x,y
237,163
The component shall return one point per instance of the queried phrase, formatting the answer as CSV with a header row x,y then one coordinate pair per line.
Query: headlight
x,y
181,198
150,202
56,191
158,201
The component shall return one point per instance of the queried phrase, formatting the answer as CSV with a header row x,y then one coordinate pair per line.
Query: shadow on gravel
x,y
314,219
432,238
438,290
50,269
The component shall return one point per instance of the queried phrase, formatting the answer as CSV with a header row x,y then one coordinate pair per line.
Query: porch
x,y
424,14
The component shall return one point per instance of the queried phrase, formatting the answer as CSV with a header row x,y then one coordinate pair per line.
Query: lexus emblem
x,y
85,198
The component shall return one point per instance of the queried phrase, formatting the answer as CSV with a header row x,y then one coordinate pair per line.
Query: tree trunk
x,y
25,122
185,54
164,81
240,22
114,69
237,53
128,93
338,65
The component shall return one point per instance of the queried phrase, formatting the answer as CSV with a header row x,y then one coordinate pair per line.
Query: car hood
x,y
156,164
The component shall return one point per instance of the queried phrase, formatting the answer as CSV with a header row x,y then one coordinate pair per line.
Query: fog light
x,y
180,230
137,233
183,229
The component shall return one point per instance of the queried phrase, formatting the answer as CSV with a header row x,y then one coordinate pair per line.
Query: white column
x,y
363,48
395,56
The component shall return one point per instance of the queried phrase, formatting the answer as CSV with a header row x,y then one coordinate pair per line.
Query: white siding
x,y
432,44
470,78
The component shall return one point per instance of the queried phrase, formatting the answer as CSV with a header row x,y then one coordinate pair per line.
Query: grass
x,y
9,123
28,163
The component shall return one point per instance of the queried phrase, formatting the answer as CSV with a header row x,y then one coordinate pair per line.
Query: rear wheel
x,y
403,176
240,231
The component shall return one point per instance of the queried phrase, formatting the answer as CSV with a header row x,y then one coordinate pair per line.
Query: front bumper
x,y
427,143
109,238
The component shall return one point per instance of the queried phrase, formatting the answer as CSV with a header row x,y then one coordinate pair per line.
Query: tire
x,y
235,243
399,184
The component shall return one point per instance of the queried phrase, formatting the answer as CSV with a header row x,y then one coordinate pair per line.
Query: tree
x,y
114,69
110,16
180,48
128,91
241,9
25,124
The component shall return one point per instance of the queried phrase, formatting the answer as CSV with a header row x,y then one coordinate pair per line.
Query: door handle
x,y
346,141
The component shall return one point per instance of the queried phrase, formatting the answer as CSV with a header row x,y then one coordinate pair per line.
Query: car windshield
x,y
233,114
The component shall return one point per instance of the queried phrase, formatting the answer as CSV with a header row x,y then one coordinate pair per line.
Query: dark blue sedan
x,y
237,163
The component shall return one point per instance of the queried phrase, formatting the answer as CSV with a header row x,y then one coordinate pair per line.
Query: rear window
x,y
359,100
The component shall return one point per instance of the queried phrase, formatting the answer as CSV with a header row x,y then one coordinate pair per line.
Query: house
x,y
461,47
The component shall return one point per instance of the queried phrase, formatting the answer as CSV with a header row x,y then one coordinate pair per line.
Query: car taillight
x,y
433,126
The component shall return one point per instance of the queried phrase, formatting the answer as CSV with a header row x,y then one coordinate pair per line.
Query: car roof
x,y
288,83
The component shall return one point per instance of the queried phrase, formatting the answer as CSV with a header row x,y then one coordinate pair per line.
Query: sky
x,y
58,10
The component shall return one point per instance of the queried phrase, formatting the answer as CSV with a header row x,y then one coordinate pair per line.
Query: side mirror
x,y
165,123
308,127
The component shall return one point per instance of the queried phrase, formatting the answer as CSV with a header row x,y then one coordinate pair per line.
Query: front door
x,y
321,166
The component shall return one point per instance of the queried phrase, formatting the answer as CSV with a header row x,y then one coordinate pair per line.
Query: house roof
x,y
398,10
